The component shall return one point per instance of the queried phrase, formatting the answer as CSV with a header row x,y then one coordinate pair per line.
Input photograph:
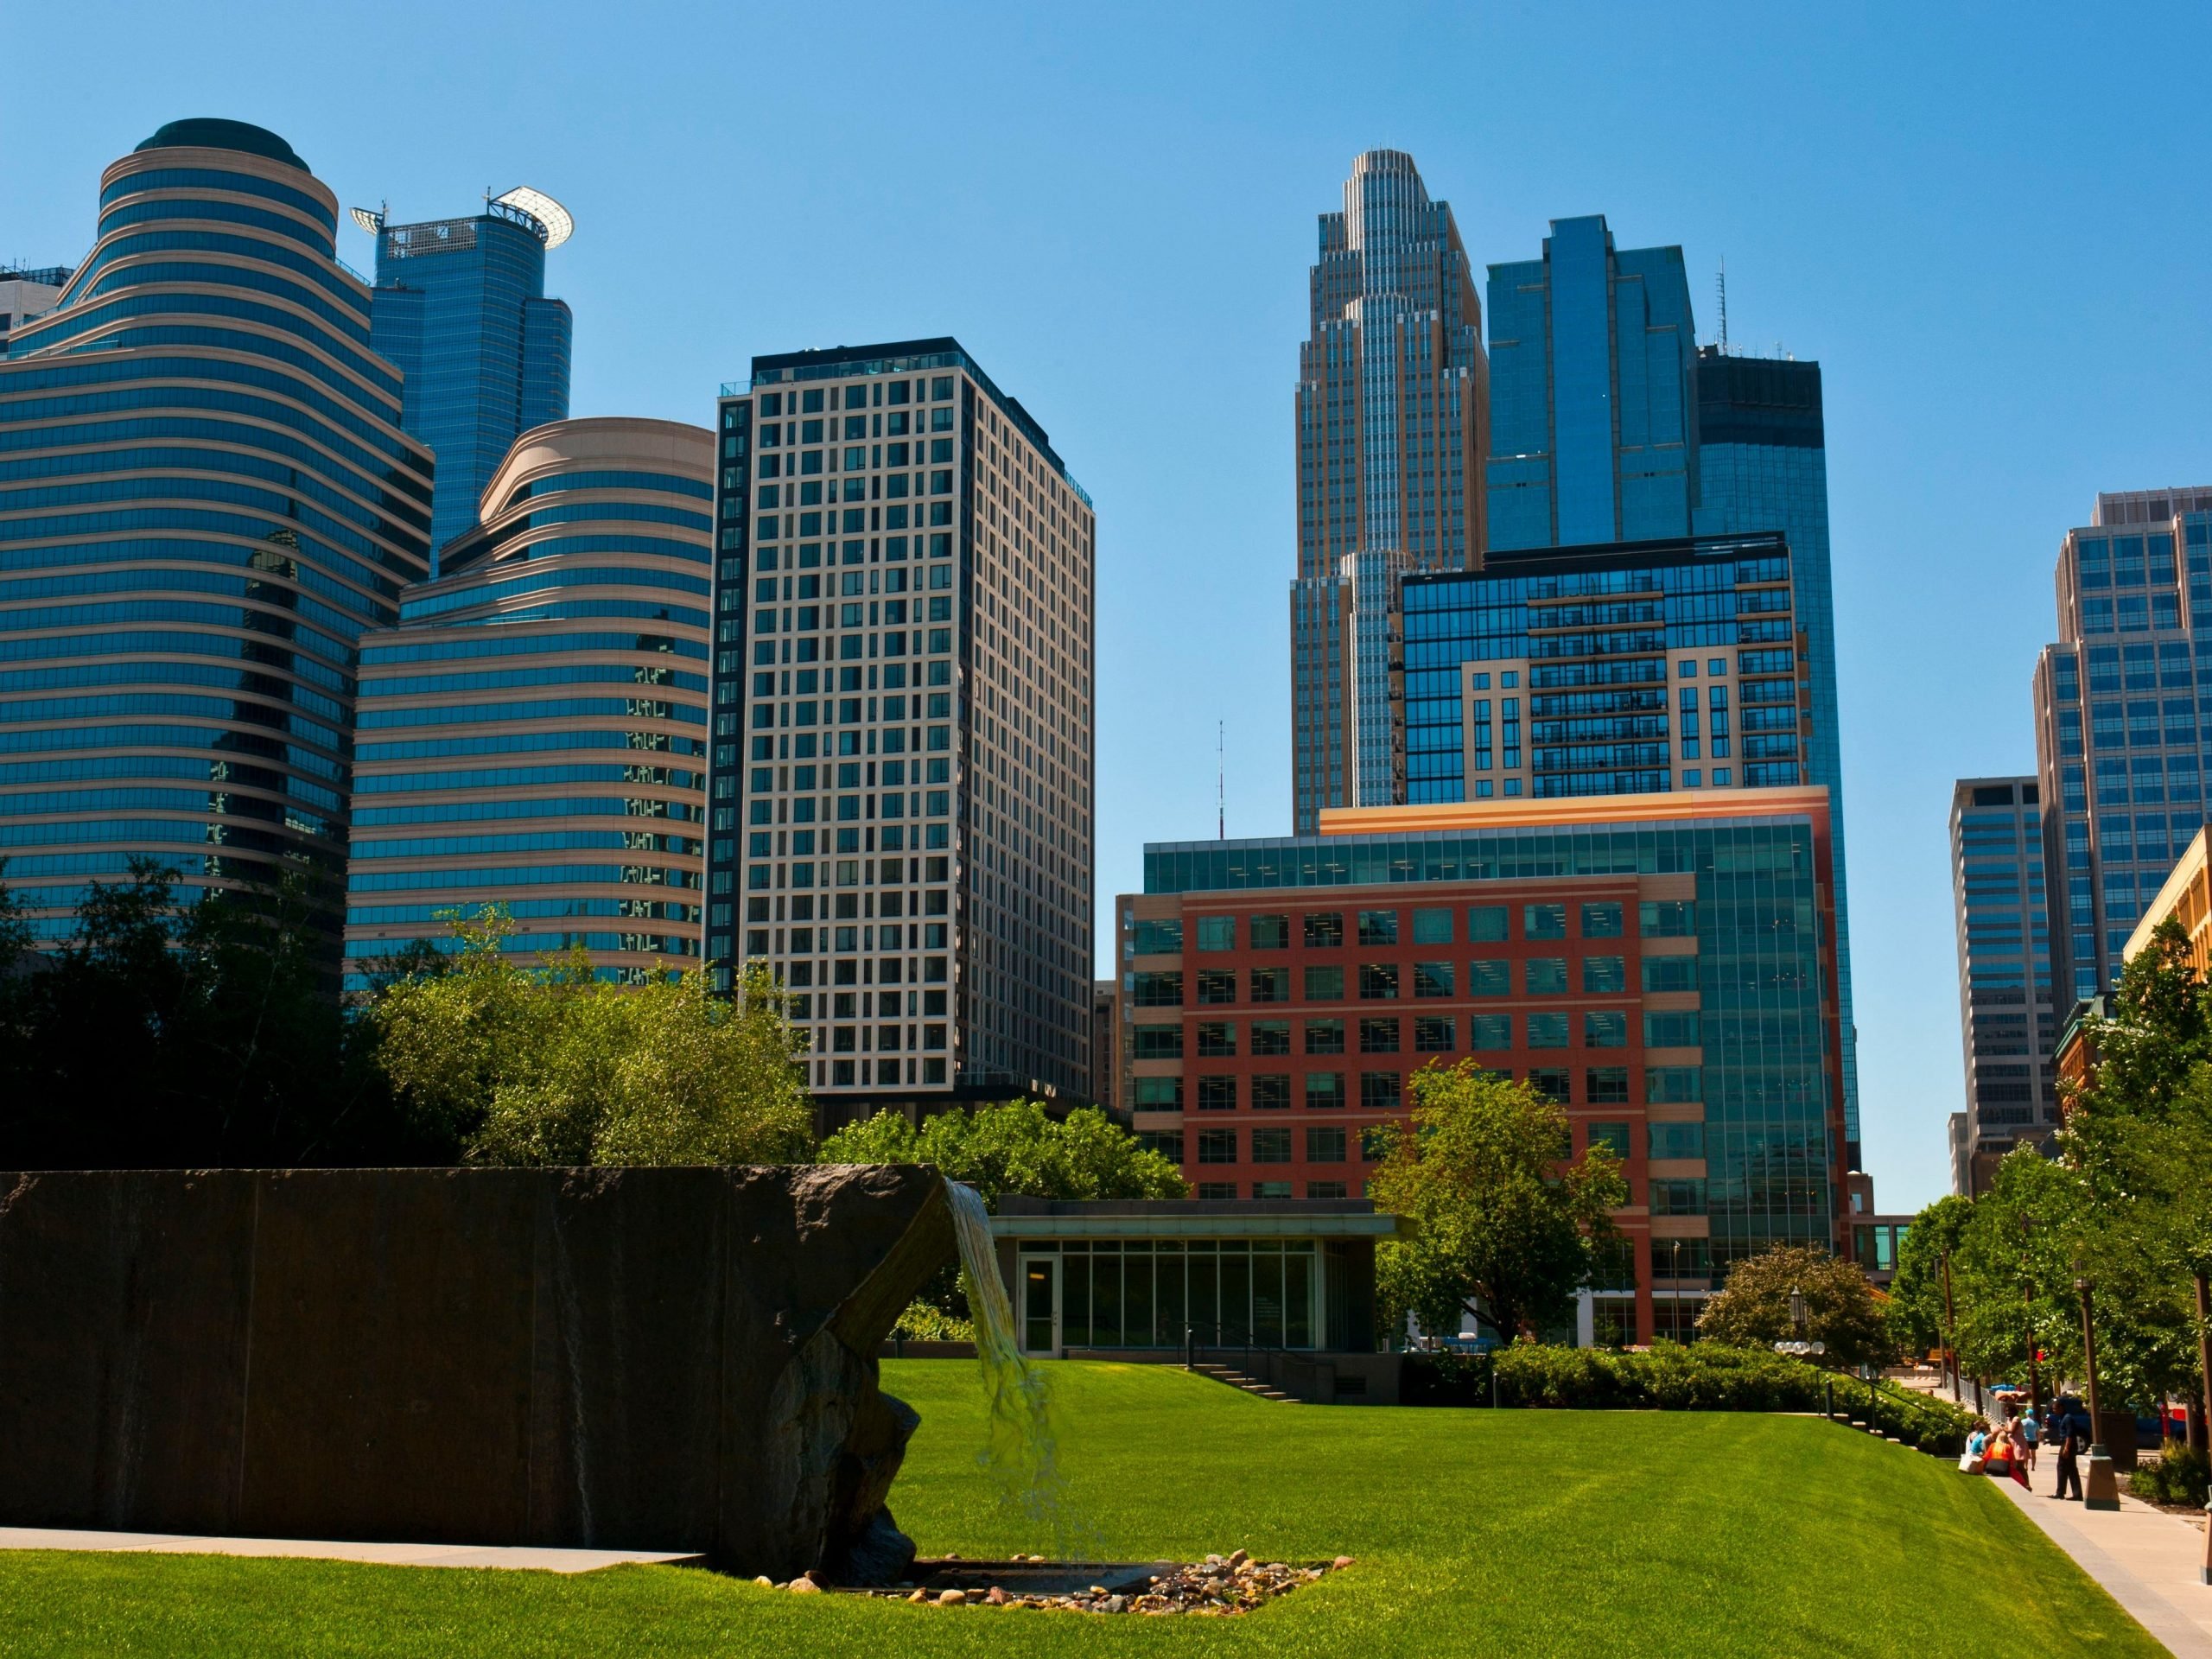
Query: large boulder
x,y
666,1360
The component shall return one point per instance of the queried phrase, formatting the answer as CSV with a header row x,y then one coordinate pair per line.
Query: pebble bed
x,y
1220,1586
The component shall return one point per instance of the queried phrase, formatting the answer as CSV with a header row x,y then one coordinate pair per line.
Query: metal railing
x,y
1284,1369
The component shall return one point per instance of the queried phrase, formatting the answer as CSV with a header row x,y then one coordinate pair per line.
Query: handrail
x,y
1246,1341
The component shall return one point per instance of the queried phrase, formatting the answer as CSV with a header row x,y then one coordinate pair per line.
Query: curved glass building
x,y
206,499
533,733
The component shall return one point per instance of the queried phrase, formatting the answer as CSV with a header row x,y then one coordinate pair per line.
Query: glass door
x,y
1040,1305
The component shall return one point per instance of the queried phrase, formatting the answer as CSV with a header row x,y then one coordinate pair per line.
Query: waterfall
x,y
1022,1455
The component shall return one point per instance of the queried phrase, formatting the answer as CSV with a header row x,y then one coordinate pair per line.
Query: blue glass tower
x,y
1593,421
461,307
206,499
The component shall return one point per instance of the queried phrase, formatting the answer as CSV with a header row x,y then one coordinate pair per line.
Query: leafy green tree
x,y
1841,1310
1016,1147
1916,1289
1503,1215
551,1065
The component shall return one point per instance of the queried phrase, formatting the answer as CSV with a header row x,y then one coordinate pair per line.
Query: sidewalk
x,y
164,1543
2146,1559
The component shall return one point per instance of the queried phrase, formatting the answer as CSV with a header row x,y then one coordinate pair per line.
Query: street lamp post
x,y
2100,1490
1950,1330
2204,1361
2028,1302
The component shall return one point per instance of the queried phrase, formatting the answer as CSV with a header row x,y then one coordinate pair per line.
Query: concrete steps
x,y
1245,1385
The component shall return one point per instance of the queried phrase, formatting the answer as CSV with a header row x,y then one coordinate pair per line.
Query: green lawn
x,y
1477,1532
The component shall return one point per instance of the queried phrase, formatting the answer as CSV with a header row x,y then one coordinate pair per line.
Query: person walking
x,y
2070,1445
2030,1436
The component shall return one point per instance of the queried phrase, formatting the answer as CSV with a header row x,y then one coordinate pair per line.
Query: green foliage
x,y
1841,1311
2181,1476
551,1064
924,1321
1016,1147
1500,1214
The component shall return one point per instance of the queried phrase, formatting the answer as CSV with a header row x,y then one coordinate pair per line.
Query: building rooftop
x,y
212,132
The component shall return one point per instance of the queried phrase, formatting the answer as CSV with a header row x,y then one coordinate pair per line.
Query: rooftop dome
x,y
210,132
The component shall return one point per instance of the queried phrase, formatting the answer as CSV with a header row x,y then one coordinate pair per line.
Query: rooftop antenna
x,y
1220,789
1722,282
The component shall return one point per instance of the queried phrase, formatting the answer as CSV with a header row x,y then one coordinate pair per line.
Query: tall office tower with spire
x,y
461,307
1393,423
211,500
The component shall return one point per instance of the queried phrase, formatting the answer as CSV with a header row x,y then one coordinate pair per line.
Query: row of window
x,y
1324,929
1432,1034
1382,1091
1384,981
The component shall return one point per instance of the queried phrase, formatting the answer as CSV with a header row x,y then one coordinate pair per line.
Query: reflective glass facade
x,y
903,725
1392,408
1671,980
2122,703
2007,1021
206,499
1594,432
533,733
461,307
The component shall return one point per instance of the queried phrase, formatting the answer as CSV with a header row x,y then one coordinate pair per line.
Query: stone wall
x,y
666,1359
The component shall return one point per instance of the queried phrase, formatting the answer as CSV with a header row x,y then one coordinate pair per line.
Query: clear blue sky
x,y
1989,225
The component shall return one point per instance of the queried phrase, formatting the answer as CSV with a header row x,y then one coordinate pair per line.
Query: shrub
x,y
924,1321
2181,1475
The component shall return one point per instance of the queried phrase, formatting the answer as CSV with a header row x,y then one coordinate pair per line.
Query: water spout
x,y
1022,1456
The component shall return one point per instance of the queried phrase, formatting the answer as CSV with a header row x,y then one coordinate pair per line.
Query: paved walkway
x,y
2147,1559
163,1543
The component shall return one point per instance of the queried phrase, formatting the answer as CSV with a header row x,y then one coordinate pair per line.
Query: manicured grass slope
x,y
1477,1532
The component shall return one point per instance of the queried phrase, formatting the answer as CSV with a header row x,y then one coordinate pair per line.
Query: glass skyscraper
x,y
533,733
1593,430
461,307
2008,1022
904,731
205,500
2120,751
1393,409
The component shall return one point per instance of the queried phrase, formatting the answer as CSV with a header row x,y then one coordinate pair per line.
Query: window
x,y
1270,932
1432,927
1604,974
1606,1085
1543,921
1216,1093
1271,984
1325,1146
1490,977
1157,991
1217,1038
1605,1028
1325,1091
1168,1143
1378,927
1217,985
1670,973
1160,1093
1671,1085
1325,984
1678,1197
1378,1036
1667,918
1216,932
1379,1091
1157,939
1678,1140
1432,979
1485,923
1614,1137
1326,1189
1601,921
1551,1084
1271,1091
1378,982
1670,1031
1324,929
1217,1147
1432,1035
1490,1034
1271,1189
1158,1043
1378,1142
1271,1146
1218,1189
1271,1036
1547,1031
1325,1036
1545,975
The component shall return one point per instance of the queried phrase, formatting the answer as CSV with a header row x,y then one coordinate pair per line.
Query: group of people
x,y
2009,1447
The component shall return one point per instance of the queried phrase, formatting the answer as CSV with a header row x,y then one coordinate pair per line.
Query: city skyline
x,y
1958,456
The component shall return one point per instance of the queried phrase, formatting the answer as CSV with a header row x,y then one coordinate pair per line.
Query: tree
x,y
1917,1291
1016,1147
1841,1310
551,1065
1502,1214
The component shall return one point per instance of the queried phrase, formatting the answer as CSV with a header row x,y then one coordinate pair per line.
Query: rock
x,y
1237,1557
1117,1604
952,1599
804,1587
918,1597
1341,1561
765,1582
997,1597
